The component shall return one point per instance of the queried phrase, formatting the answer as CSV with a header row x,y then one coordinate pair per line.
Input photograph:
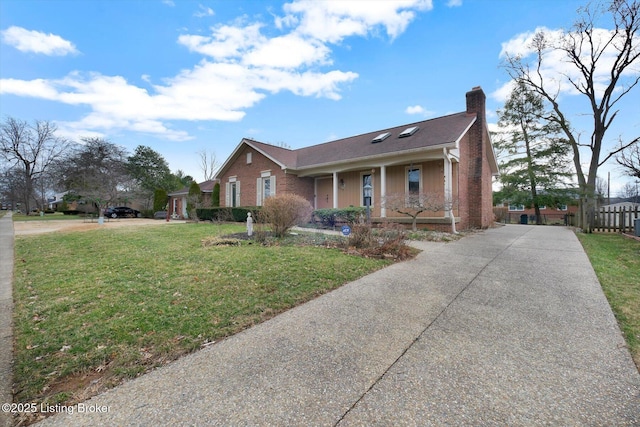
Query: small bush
x,y
71,212
330,217
360,236
387,242
284,211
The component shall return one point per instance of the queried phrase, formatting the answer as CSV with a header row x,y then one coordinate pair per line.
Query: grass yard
x,y
95,308
46,217
616,261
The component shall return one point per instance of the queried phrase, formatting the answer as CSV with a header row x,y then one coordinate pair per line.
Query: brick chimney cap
x,y
476,88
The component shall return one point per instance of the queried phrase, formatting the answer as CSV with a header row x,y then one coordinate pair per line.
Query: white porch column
x,y
448,190
335,190
383,190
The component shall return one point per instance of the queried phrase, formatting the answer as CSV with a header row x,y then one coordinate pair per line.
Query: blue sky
x,y
186,76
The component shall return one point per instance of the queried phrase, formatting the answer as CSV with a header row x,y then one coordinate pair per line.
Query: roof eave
x,y
395,154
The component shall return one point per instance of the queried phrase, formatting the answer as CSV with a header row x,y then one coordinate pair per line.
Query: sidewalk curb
x,y
6,313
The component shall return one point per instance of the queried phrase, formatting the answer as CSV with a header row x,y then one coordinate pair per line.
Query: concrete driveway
x,y
504,327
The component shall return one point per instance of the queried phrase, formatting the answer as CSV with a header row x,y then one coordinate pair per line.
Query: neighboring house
x,y
562,214
450,155
178,199
57,201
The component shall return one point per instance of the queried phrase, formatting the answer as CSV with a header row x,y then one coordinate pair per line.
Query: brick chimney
x,y
478,189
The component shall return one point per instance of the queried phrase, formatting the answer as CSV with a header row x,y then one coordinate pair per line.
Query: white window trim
x,y
406,178
260,186
227,193
249,157
516,208
373,189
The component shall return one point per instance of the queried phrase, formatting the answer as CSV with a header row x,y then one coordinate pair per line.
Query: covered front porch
x,y
434,172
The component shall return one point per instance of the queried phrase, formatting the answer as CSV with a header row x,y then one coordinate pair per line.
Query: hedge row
x,y
329,217
226,214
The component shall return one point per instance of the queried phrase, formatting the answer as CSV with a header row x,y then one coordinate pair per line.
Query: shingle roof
x,y
205,187
439,131
433,132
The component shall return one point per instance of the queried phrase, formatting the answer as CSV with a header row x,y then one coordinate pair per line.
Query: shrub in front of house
x,y
226,214
71,212
215,196
160,198
386,242
147,213
331,217
283,211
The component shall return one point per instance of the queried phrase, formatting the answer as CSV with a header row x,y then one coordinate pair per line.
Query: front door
x,y
324,193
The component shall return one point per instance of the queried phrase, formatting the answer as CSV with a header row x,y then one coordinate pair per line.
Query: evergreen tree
x,y
194,199
215,195
160,198
534,159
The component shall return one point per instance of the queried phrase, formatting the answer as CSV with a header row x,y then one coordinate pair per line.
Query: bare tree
x,y
30,149
630,191
413,204
208,164
601,68
97,172
629,158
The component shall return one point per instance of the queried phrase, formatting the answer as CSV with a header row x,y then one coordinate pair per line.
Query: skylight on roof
x,y
408,132
381,137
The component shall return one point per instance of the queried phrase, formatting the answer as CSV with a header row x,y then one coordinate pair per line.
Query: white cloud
x,y
37,42
226,42
418,110
241,66
289,51
454,3
333,20
415,109
203,11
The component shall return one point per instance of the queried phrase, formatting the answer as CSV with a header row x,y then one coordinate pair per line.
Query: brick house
x,y
450,155
178,199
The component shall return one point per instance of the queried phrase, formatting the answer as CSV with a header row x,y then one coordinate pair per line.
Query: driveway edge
x,y
6,314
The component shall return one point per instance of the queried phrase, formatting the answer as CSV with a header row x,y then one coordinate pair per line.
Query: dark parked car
x,y
122,212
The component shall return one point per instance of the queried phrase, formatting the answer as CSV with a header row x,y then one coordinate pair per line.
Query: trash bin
x,y
524,219
637,227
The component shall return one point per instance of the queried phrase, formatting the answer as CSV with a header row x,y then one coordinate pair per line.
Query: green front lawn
x,y
94,308
616,261
46,217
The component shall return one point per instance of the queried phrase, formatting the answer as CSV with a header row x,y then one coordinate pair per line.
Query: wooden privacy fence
x,y
616,219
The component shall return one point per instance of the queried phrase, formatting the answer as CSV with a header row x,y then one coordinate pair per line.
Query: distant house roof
x,y
205,187
430,134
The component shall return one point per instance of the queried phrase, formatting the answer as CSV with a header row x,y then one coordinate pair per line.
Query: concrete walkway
x,y
504,327
6,311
